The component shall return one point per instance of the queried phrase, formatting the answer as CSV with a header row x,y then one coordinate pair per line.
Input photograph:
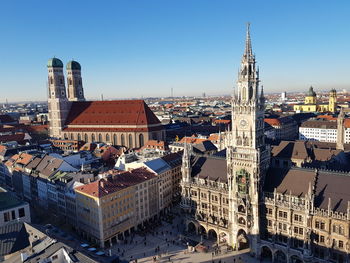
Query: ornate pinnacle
x,y
248,45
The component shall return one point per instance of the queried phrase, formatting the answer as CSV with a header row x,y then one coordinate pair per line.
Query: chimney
x,y
102,183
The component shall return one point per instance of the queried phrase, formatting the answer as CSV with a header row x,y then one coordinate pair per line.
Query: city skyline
x,y
125,52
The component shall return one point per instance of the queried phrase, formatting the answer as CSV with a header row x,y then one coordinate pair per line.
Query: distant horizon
x,y
175,97
147,48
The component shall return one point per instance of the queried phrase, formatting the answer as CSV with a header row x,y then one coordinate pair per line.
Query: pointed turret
x,y
248,53
186,163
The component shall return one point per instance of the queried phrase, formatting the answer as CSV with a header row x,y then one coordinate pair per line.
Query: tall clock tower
x,y
247,154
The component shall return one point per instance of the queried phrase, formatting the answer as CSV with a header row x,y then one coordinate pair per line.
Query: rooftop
x,y
8,200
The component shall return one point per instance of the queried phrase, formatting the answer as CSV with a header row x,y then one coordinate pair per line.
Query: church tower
x,y
74,82
247,154
332,105
58,104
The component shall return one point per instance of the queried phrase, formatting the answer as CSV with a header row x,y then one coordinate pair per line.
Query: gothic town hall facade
x,y
281,214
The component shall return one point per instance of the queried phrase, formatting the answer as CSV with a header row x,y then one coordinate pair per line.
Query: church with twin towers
x,y
128,123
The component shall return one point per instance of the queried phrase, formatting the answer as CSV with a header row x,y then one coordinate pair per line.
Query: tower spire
x,y
248,44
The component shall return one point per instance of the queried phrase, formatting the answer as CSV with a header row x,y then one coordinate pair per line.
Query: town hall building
x,y
130,123
285,214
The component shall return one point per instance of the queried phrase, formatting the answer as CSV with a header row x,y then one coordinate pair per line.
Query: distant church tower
x,y
332,101
247,154
57,102
74,82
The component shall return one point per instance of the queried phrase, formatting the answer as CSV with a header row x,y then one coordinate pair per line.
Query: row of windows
x,y
8,216
107,138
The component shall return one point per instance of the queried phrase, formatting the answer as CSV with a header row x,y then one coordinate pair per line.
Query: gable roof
x,y
115,182
210,168
115,112
158,165
326,184
13,237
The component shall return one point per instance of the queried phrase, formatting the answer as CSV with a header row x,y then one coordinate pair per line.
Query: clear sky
x,y
136,48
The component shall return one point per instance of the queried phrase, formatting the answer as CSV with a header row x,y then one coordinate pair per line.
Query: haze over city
x,y
145,48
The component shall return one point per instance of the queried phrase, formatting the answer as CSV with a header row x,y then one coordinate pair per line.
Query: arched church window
x,y
141,140
79,137
92,137
51,80
250,92
107,137
244,93
122,140
130,141
86,138
100,137
115,142
70,81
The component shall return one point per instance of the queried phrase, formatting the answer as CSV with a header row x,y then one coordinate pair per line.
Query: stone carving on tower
x,y
58,103
247,154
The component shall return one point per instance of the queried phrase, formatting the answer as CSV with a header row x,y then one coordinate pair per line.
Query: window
x,y
321,239
122,140
6,216
100,137
13,213
107,137
21,212
269,211
141,140
130,141
340,244
92,137
115,139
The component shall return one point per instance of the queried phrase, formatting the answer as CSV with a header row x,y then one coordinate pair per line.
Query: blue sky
x,y
144,48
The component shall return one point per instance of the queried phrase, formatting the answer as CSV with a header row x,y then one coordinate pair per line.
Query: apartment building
x,y
110,208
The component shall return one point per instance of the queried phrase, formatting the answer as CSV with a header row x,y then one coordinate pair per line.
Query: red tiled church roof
x,y
116,112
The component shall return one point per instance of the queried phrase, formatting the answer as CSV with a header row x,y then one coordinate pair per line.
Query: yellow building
x,y
311,105
107,208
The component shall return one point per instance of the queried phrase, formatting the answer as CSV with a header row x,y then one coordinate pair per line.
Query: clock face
x,y
243,123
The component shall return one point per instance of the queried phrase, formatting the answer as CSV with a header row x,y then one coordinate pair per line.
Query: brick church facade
x,y
130,123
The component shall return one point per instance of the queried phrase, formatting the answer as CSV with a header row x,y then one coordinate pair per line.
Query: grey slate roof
x,y
209,167
327,184
158,165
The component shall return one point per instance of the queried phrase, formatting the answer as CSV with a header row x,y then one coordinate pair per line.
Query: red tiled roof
x,y
347,123
19,137
222,121
117,182
116,112
272,122
192,140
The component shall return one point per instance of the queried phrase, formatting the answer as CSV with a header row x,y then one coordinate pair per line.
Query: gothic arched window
x,y
86,138
244,93
130,141
115,139
250,92
100,137
107,137
92,137
122,140
141,140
